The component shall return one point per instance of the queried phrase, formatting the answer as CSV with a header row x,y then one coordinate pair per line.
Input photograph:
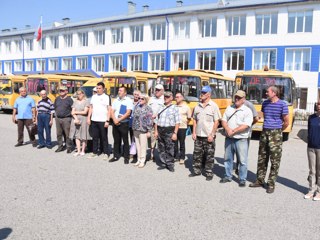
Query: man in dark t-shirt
x,y
63,107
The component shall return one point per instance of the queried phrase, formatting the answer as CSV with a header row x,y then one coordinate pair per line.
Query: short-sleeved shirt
x,y
185,113
168,116
206,117
63,107
237,117
252,108
273,113
155,104
24,107
121,105
314,131
99,105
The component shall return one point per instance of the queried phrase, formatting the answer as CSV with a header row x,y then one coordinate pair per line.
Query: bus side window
x,y
16,87
53,87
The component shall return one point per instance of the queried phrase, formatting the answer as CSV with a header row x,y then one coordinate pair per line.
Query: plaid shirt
x,y
169,117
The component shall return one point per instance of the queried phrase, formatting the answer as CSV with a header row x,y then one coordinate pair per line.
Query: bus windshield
x,y
5,86
256,87
35,85
128,82
88,90
187,85
220,88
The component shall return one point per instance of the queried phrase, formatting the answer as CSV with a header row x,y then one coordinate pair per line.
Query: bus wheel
x,y
285,136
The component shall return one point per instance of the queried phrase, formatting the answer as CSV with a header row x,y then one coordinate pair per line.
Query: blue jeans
x,y
43,125
240,148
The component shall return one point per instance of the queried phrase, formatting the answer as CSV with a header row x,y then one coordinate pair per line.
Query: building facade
x,y
225,36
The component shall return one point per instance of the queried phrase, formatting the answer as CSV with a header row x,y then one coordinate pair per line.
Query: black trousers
x,y
99,137
121,133
180,153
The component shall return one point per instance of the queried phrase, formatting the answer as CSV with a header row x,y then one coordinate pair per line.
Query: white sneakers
x,y
315,196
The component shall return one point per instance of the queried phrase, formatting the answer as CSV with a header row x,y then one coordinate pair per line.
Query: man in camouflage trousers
x,y
276,119
206,117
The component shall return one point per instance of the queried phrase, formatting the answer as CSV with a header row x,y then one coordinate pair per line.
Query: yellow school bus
x,y
52,82
255,84
136,80
9,90
190,82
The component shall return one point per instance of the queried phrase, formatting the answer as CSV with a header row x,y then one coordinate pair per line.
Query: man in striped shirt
x,y
276,119
45,110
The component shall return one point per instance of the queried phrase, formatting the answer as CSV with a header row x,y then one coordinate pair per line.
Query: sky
x,y
19,13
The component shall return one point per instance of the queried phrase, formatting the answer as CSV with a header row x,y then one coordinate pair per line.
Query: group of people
x,y
158,119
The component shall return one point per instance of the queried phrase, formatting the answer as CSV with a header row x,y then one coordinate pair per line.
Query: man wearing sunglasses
x,y
63,107
156,102
166,130
206,117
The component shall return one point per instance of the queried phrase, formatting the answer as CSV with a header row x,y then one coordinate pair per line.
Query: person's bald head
x,y
43,94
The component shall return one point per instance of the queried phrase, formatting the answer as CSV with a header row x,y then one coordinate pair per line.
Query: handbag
x,y
133,148
33,128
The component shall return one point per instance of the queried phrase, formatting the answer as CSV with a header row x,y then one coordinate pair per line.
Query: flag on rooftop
x,y
38,33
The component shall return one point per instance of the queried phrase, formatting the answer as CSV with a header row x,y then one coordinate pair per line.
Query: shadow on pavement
x,y
303,135
292,184
5,232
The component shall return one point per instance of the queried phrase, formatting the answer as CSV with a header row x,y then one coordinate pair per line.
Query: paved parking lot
x,y
48,195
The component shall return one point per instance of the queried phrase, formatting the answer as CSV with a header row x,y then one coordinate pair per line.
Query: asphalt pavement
x,y
48,195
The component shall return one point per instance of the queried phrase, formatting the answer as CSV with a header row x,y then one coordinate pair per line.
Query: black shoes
x,y
194,174
113,159
34,144
256,184
69,150
161,168
59,149
126,161
18,144
225,180
209,178
270,189
171,169
40,146
242,184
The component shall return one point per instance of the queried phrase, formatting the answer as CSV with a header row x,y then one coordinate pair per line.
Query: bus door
x,y
35,86
128,82
189,86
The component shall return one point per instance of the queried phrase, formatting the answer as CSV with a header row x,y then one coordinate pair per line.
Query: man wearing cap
x,y
156,102
166,129
237,120
206,117
63,107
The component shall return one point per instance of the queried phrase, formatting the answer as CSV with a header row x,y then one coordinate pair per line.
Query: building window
x,y
8,46
207,60
234,60
266,23
98,64
7,67
182,29
83,39
29,44
18,44
82,63
181,61
99,37
265,57
68,40
54,42
300,21
115,63
29,65
297,59
136,33
208,27
17,66
117,35
0,67
41,65
43,43
157,62
67,64
135,62
236,25
54,64
158,31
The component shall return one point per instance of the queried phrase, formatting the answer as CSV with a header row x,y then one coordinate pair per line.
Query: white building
x,y
227,36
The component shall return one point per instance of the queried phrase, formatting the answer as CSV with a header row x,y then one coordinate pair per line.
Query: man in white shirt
x,y
98,118
236,120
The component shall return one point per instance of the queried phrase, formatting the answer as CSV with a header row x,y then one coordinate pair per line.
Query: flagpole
x,y
42,67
